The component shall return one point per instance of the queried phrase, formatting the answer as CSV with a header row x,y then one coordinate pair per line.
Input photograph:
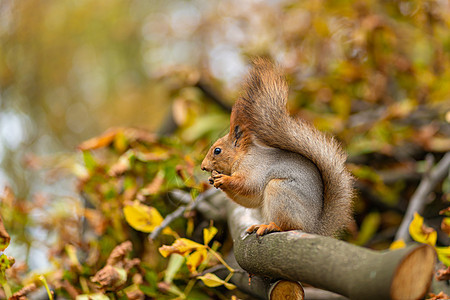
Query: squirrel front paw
x,y
218,179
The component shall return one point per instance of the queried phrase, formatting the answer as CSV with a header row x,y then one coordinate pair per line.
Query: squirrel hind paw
x,y
263,229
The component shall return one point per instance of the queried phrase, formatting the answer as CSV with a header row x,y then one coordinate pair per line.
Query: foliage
x,y
375,74
121,174
426,235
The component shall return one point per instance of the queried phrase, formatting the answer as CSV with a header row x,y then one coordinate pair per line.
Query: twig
x,y
213,209
179,212
211,94
417,202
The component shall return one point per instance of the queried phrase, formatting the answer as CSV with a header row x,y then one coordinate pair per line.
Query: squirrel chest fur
x,y
293,173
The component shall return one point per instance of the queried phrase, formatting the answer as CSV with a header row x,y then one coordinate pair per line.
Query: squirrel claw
x,y
263,229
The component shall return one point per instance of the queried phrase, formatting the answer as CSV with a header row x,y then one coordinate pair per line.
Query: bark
x,y
330,264
260,287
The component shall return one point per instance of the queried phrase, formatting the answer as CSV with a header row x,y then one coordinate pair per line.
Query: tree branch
x,y
418,200
330,264
179,212
256,286
211,94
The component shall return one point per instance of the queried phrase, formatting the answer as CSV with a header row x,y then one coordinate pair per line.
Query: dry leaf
x,y
96,220
4,236
100,141
135,295
119,252
154,186
23,292
445,211
181,246
110,277
8,198
441,295
122,165
443,274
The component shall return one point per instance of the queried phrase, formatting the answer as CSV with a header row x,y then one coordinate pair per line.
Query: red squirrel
x,y
283,166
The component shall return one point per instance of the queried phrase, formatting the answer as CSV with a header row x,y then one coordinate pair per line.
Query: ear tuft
x,y
237,135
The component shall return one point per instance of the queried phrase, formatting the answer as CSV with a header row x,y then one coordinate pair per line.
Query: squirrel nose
x,y
203,167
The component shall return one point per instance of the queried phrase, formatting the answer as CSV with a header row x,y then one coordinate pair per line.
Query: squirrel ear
x,y
237,134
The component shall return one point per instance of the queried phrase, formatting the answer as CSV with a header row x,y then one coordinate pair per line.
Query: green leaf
x,y
5,263
89,161
368,228
175,263
148,290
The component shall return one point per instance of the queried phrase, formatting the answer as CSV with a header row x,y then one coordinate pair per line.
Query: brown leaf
x,y
131,263
153,187
118,254
96,220
115,273
122,164
70,289
425,134
109,277
441,295
152,156
8,197
163,286
17,271
23,292
4,236
443,274
445,211
100,141
140,135
135,295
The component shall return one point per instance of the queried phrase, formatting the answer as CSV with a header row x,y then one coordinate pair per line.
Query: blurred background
x,y
374,73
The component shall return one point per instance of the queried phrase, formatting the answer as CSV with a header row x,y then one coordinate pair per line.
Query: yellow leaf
x,y
212,280
421,233
72,253
208,234
398,244
195,259
142,217
181,246
443,255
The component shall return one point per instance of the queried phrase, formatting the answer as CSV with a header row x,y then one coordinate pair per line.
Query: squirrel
x,y
283,166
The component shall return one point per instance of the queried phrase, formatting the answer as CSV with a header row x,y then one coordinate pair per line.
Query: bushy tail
x,y
262,107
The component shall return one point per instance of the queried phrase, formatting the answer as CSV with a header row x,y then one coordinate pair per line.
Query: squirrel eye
x,y
217,151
